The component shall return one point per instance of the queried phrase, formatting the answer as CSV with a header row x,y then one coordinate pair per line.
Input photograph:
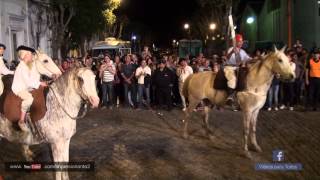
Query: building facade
x,y
271,19
20,25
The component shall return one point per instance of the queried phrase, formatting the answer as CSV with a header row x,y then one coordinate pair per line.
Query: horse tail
x,y
186,86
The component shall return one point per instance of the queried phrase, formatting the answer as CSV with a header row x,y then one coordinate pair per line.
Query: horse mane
x,y
260,61
64,81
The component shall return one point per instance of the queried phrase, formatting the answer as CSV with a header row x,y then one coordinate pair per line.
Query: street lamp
x,y
186,26
134,38
250,20
212,26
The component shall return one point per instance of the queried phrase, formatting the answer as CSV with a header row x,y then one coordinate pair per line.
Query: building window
x,y
14,45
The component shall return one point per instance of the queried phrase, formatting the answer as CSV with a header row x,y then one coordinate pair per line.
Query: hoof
x,y
211,137
185,136
258,149
248,155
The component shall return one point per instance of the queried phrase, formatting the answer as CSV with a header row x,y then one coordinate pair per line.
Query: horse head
x,y
45,65
281,64
86,85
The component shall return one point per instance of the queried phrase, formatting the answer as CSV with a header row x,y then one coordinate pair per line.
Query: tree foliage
x,y
74,22
212,11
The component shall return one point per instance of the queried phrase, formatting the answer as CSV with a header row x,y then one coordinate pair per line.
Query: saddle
x,y
221,82
10,104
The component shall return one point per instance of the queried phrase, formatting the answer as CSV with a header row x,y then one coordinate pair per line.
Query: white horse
x,y
64,101
200,86
44,65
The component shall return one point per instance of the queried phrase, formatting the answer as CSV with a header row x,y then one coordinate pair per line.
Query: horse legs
x,y
246,129
253,120
28,154
60,153
192,104
206,122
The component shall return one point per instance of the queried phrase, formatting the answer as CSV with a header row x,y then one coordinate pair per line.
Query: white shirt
x,y
140,70
184,73
243,57
3,69
25,79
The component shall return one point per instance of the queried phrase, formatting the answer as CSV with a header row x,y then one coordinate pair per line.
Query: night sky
x,y
163,18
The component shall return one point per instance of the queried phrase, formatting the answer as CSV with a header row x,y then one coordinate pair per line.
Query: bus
x,y
111,46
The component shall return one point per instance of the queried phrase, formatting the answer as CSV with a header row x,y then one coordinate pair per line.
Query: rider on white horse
x,y
25,79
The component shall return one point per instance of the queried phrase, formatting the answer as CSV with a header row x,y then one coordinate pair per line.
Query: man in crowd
x,y
106,73
128,73
163,79
313,79
145,52
143,74
183,71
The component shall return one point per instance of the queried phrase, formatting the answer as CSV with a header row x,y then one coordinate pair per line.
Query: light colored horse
x,y
64,101
44,65
200,86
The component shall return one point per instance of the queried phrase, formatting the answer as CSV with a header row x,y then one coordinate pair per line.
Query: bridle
x,y
36,64
84,100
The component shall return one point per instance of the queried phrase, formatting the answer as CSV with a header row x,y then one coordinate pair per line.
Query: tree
x,y
39,21
110,17
60,13
88,22
213,11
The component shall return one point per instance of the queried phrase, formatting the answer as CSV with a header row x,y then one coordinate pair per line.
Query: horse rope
x,y
65,111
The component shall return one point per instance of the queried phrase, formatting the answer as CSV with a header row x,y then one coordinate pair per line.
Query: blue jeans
x,y
273,94
107,93
132,88
144,89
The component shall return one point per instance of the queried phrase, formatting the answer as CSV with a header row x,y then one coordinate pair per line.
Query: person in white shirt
x,y
3,68
143,74
236,55
26,78
237,58
183,71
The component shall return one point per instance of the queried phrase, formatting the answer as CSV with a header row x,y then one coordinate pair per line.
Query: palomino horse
x,y
58,125
200,86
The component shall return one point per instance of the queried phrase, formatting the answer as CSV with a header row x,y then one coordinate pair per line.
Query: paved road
x,y
127,144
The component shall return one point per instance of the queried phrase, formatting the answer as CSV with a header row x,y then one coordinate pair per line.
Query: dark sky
x,y
163,18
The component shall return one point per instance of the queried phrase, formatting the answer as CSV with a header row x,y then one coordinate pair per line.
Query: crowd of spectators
x,y
146,81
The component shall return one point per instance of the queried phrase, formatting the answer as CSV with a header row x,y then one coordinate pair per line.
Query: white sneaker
x,y
276,109
269,109
282,107
291,108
